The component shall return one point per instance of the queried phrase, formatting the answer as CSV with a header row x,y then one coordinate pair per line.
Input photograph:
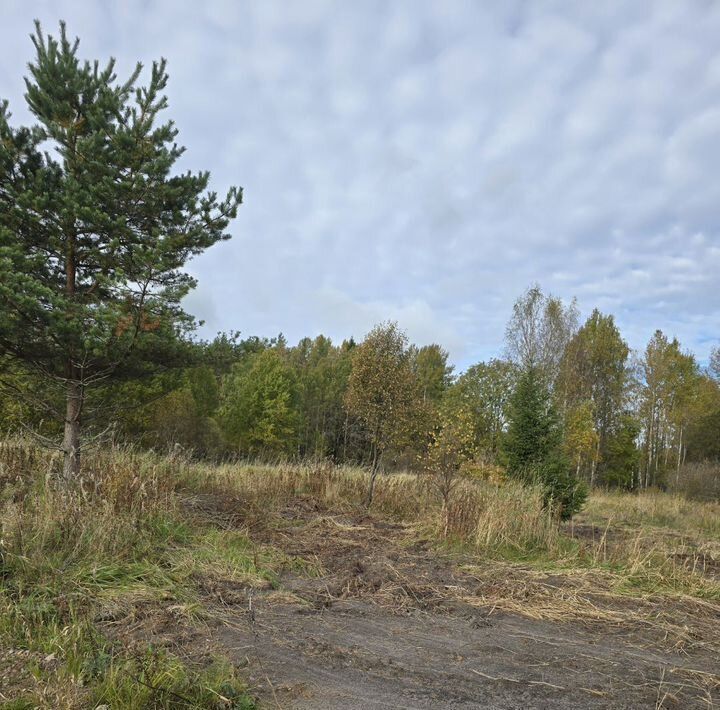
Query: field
x,y
167,583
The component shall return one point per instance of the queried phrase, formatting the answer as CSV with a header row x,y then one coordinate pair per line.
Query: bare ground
x,y
378,619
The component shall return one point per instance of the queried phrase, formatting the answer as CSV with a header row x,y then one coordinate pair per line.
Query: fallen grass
x,y
646,544
653,543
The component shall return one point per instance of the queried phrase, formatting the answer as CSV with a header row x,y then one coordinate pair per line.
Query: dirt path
x,y
385,622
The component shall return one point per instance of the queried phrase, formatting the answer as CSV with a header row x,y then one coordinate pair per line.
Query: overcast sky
x,y
427,161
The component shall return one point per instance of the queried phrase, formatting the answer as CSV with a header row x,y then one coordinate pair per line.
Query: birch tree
x,y
383,393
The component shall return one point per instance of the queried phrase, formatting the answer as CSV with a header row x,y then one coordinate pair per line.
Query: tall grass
x,y
501,519
490,516
70,557
506,521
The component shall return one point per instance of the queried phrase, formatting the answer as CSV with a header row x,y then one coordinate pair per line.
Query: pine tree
x,y
533,445
95,229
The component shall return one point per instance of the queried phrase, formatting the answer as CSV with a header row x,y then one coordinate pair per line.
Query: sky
x,y
426,162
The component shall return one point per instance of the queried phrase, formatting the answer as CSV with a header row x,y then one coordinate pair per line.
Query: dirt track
x,y
386,623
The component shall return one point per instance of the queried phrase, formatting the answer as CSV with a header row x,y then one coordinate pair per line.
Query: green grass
x,y
162,681
70,559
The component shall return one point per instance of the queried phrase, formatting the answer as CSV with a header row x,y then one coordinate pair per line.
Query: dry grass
x,y
655,509
491,516
654,542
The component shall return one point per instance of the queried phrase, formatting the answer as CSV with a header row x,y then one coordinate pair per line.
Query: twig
x,y
156,688
516,680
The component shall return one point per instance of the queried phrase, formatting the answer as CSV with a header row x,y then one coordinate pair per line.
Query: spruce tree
x,y
95,227
533,445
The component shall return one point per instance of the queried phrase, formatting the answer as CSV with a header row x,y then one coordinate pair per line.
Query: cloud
x,y
426,161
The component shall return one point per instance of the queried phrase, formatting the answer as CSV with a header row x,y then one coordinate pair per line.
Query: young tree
x,y
451,445
383,393
533,446
95,229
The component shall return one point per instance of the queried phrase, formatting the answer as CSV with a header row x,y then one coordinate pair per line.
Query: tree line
x,y
564,389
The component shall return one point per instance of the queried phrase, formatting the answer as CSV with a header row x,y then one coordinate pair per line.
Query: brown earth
x,y
378,619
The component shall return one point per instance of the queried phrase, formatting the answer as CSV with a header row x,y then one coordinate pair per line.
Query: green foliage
x,y
533,446
594,373
668,384
383,391
581,438
703,441
258,411
451,445
434,374
623,456
533,432
178,419
17,391
161,680
714,366
203,384
322,372
485,390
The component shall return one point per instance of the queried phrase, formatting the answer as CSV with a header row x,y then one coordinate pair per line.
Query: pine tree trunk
x,y
73,392
71,439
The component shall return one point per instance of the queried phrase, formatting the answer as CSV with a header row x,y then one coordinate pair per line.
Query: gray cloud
x,y
426,161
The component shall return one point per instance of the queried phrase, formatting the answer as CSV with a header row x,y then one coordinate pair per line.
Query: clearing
x,y
379,619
